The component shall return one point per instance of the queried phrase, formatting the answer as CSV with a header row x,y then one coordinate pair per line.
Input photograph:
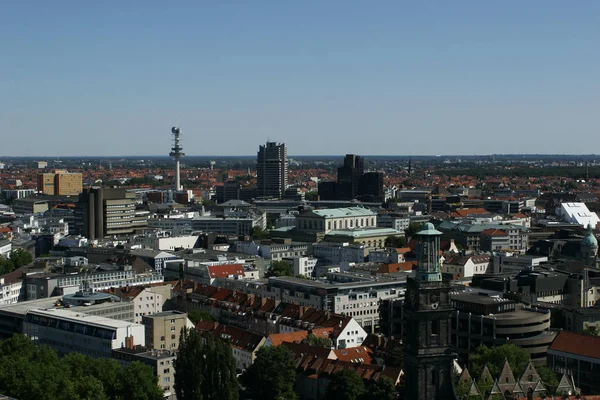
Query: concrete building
x,y
399,222
69,331
107,212
304,266
11,287
494,320
29,205
162,330
271,170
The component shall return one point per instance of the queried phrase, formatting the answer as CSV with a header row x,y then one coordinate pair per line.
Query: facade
x,y
428,350
577,213
107,212
457,267
304,266
69,331
271,170
398,222
162,330
164,241
327,220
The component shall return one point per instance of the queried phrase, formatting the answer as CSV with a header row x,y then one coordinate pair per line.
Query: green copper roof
x,y
428,230
589,240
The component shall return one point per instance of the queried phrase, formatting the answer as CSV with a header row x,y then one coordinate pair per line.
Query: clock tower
x,y
428,351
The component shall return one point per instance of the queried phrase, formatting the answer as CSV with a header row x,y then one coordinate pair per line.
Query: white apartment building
x,y
466,267
68,331
5,248
11,288
304,265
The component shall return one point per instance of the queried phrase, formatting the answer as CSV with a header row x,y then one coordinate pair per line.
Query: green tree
x,y
315,341
199,315
345,385
485,384
395,241
461,388
272,375
139,383
494,359
413,228
383,389
591,330
548,377
258,233
204,368
395,357
20,257
6,265
280,268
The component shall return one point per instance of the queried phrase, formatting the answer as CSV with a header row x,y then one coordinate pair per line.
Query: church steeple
x,y
428,349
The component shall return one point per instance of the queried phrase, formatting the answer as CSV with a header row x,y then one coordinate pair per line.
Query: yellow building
x,y
45,183
60,183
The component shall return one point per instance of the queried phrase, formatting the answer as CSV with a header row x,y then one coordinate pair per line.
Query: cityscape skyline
x,y
463,78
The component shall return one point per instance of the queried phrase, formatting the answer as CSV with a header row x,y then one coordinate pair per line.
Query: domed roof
x,y
428,230
589,240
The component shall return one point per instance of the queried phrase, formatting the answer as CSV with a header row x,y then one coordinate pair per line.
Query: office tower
x,y
107,212
428,350
370,187
271,170
348,176
60,183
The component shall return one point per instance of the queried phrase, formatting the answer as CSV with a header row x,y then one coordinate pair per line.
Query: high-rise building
x,y
271,170
353,183
428,350
60,183
107,212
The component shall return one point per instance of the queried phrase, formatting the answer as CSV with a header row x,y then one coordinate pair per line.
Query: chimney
x,y
129,342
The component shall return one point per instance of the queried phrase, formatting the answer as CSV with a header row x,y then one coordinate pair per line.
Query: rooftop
x,y
78,317
345,212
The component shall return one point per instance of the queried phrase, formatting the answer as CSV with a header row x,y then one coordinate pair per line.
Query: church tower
x,y
428,351
589,248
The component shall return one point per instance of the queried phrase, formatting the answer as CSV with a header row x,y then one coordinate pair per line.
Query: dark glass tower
x,y
271,170
428,351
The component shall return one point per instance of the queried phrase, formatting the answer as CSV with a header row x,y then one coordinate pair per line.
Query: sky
x,y
110,78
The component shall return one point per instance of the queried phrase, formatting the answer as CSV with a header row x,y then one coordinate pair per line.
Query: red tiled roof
x,y
359,354
223,271
494,232
577,343
469,211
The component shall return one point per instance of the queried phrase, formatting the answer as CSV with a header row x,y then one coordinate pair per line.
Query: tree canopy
x,y
30,372
204,368
272,375
280,268
395,357
395,241
345,385
199,315
315,341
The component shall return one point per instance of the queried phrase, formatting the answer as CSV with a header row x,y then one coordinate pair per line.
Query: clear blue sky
x,y
325,77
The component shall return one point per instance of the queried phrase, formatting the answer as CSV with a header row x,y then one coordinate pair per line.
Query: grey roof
x,y
358,233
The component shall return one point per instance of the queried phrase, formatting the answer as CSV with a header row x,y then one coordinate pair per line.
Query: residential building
x,y
399,222
460,267
271,170
304,266
244,344
163,329
147,300
11,287
69,331
338,253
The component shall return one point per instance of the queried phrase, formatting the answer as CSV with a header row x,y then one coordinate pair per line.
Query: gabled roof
x,y
360,354
529,378
465,376
565,385
506,380
494,232
474,390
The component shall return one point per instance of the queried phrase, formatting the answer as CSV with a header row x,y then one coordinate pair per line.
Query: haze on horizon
x,y
466,77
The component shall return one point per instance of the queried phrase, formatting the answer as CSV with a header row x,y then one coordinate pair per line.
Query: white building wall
x,y
353,335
